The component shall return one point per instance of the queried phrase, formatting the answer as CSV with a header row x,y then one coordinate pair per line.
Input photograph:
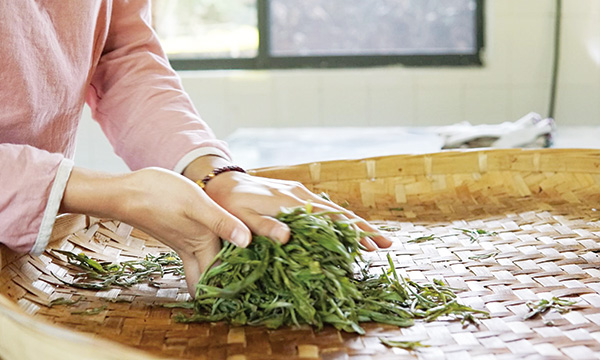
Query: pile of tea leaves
x,y
103,275
317,278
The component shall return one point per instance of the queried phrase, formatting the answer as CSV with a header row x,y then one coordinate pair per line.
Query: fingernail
x,y
239,238
279,233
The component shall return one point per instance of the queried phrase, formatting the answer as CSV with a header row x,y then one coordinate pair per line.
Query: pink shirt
x,y
56,55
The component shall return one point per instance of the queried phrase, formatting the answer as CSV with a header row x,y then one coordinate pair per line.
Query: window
x,y
254,34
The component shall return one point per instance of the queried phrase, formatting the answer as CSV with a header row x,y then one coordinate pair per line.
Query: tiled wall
x,y
514,81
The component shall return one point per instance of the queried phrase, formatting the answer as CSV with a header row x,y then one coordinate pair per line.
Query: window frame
x,y
264,60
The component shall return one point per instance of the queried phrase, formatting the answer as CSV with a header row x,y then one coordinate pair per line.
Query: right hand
x,y
165,205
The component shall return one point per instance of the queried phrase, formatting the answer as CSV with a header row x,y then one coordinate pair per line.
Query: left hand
x,y
256,201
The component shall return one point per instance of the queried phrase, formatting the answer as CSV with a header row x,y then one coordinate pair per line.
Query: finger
x,y
197,259
206,255
192,271
340,216
368,244
267,226
365,240
380,240
376,239
220,222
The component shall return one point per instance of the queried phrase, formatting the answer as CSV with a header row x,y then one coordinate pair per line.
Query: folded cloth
x,y
529,131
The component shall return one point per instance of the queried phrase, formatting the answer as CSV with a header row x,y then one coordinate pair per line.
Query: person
x,y
58,55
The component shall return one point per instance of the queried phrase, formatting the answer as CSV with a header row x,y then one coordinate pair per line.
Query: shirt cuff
x,y
196,153
52,206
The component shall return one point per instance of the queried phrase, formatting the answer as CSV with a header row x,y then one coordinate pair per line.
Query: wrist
x,y
218,171
216,174
203,165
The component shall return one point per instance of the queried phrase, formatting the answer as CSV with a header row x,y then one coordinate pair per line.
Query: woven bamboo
x,y
541,203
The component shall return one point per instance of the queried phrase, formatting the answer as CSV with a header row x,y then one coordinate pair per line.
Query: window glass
x,y
207,28
372,27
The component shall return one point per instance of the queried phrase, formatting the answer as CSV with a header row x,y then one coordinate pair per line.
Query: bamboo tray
x,y
541,203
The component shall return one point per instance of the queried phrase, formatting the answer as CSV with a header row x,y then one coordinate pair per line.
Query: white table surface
x,y
259,147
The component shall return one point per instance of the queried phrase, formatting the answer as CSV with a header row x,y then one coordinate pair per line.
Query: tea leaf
x,y
484,256
389,228
542,306
406,345
422,239
475,234
63,301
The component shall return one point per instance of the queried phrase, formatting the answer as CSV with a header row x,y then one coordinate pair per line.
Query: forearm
x,y
106,195
95,193
138,99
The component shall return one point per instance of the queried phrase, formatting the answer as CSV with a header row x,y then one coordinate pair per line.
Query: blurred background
x,y
373,77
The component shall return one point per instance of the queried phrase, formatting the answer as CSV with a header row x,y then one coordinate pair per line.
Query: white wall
x,y
514,81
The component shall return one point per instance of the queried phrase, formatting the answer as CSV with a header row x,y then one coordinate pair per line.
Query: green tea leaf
x,y
484,256
406,345
63,301
422,239
542,306
475,234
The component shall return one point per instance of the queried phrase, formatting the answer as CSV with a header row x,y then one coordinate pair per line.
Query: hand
x,y
256,201
163,204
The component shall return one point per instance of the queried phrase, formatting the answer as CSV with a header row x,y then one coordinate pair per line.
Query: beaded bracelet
x,y
202,183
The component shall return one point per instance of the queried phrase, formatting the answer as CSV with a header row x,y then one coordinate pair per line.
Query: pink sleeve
x,y
33,183
138,99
